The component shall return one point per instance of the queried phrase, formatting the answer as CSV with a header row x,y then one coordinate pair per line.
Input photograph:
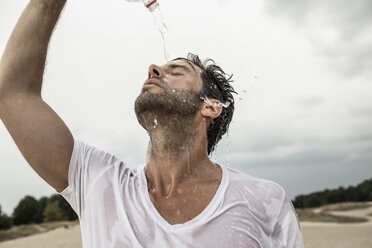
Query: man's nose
x,y
156,71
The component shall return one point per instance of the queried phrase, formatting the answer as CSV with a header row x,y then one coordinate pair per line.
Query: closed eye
x,y
177,70
176,74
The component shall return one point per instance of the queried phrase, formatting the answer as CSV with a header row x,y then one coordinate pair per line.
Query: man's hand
x,y
41,136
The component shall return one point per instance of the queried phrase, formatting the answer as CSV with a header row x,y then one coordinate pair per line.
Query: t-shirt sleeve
x,y
287,232
86,165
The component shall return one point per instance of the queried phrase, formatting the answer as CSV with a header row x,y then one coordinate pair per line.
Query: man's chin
x,y
159,101
151,89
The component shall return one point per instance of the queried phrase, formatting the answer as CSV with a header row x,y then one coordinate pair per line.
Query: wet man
x,y
179,197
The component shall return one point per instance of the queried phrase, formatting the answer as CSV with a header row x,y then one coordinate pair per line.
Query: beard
x,y
174,109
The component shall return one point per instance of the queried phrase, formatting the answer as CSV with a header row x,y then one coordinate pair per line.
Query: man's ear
x,y
211,110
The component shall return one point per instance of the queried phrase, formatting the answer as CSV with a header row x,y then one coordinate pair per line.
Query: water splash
x,y
227,147
156,123
220,104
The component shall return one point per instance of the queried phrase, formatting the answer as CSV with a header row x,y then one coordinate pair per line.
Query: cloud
x,y
361,112
310,101
295,159
339,30
309,165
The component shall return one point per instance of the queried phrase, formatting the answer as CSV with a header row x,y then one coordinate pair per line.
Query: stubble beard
x,y
168,117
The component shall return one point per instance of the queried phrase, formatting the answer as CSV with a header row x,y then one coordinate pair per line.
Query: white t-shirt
x,y
115,209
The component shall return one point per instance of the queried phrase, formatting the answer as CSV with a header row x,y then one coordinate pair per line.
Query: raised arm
x,y
41,136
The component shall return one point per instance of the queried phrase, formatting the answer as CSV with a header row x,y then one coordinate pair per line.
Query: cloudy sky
x,y
302,70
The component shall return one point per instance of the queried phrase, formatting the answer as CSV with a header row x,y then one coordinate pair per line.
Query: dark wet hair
x,y
216,85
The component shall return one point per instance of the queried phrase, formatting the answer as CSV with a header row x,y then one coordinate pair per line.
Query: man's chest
x,y
231,224
184,207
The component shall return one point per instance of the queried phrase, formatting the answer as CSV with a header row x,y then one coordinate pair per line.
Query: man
x,y
179,198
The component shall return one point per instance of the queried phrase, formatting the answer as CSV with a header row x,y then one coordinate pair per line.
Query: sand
x,y
316,235
58,238
356,235
319,235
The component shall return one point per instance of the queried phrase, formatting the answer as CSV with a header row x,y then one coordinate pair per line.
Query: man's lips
x,y
153,81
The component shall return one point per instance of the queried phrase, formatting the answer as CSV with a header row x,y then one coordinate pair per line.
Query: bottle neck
x,y
151,4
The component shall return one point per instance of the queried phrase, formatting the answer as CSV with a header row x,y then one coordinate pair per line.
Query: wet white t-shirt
x,y
115,209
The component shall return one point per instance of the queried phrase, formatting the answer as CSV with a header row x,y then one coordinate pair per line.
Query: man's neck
x,y
176,160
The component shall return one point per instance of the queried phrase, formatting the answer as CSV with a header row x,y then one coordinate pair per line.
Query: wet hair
x,y
216,85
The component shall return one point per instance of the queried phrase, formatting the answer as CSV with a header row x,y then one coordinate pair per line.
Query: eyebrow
x,y
173,66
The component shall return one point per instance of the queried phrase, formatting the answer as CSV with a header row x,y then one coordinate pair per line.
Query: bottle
x,y
151,5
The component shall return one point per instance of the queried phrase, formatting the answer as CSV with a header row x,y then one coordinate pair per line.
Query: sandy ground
x,y
319,235
59,238
316,235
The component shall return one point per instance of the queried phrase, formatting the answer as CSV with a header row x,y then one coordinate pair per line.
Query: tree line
x,y
56,208
360,193
30,210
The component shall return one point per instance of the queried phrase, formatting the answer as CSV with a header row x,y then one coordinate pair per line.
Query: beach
x,y
316,234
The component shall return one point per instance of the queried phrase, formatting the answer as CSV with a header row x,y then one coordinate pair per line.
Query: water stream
x,y
154,7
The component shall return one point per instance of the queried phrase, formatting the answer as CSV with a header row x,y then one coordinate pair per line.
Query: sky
x,y
302,70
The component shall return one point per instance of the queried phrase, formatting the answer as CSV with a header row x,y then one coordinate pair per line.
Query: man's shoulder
x,y
95,161
249,186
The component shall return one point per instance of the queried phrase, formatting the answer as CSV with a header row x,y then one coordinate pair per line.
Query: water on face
x,y
155,123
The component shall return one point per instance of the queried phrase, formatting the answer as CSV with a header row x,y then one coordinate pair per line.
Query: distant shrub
x,y
43,202
53,212
5,221
26,212
64,206
54,208
313,201
360,193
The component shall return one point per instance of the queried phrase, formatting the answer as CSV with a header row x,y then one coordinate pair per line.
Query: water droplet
x,y
178,212
184,100
219,104
173,90
156,122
